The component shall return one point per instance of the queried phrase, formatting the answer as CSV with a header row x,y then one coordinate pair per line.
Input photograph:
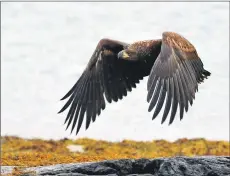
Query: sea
x,y
45,46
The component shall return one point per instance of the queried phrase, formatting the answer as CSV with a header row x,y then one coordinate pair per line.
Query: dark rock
x,y
178,166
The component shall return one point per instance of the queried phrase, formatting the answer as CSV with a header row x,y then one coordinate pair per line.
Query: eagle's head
x,y
128,54
141,50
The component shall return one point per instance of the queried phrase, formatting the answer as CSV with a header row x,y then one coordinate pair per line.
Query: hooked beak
x,y
122,55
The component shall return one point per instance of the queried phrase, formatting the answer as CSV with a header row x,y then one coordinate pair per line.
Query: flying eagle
x,y
172,64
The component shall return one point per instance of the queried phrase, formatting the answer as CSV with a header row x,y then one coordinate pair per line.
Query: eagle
x,y
115,68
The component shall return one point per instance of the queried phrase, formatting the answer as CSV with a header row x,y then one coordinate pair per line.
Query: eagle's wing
x,y
174,76
106,75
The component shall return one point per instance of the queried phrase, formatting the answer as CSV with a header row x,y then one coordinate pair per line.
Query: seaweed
x,y
17,151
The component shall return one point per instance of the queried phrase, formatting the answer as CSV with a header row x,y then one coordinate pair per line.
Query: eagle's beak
x,y
123,55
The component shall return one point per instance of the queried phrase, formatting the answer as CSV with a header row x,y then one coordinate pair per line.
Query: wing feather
x,y
161,99
155,95
74,103
78,104
105,77
168,100
180,69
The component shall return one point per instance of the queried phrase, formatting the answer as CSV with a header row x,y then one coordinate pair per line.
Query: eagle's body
x,y
172,64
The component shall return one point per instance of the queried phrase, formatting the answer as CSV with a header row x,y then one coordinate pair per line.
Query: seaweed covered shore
x,y
16,151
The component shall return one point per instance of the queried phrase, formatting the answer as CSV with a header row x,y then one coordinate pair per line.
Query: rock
x,y
76,148
7,169
178,166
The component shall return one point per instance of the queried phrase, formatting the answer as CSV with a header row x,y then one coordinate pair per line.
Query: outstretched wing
x,y
105,76
174,76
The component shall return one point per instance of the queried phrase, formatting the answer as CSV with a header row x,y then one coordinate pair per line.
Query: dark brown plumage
x,y
173,66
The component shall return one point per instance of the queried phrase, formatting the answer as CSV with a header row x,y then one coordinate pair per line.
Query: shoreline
x,y
17,151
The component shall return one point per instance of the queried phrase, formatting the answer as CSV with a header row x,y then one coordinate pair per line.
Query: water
x,y
46,46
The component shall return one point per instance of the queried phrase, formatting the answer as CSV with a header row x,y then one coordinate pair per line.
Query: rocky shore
x,y
179,166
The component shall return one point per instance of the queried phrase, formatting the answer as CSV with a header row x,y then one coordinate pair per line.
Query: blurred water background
x,y
46,46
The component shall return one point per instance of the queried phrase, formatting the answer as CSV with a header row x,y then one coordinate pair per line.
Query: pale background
x,y
46,46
